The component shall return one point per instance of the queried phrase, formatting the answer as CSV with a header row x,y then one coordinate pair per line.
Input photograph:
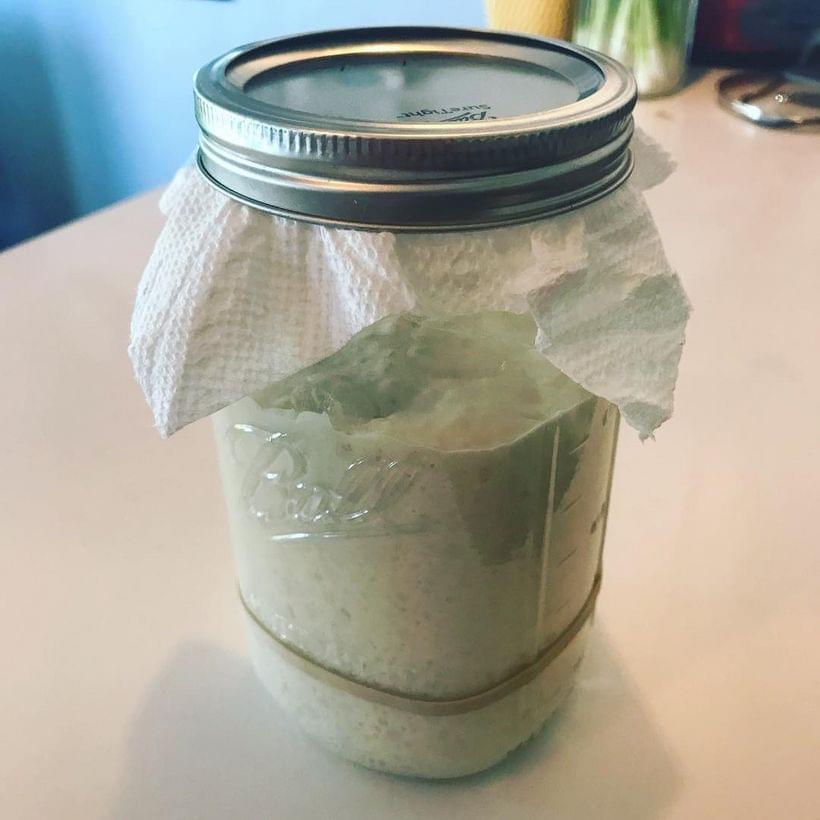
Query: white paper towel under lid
x,y
233,298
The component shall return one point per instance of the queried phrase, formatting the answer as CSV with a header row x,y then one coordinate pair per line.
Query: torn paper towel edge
x,y
233,298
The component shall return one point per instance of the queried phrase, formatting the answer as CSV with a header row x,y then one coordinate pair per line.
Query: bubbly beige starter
x,y
421,512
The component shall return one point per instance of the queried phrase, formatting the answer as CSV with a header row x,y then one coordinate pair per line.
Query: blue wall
x,y
96,94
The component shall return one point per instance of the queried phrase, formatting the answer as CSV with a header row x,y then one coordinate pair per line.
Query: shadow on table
x,y
208,743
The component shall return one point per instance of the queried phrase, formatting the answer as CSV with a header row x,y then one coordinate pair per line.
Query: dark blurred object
x,y
761,33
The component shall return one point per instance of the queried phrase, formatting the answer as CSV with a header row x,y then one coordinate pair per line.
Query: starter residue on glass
x,y
421,511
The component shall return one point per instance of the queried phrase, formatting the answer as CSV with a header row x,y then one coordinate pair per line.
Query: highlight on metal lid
x,y
414,128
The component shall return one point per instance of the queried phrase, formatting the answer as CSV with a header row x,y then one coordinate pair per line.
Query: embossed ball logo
x,y
279,494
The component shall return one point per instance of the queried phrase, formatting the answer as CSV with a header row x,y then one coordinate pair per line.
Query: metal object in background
x,y
780,99
414,128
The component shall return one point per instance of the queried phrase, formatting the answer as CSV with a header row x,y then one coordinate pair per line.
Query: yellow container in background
x,y
548,18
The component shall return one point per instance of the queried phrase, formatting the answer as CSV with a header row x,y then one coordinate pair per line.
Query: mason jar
x,y
418,518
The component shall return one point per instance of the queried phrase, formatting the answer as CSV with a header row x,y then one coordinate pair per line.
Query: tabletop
x,y
126,691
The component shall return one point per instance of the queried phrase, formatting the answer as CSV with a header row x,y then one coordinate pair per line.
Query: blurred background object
x,y
547,18
652,37
776,99
754,33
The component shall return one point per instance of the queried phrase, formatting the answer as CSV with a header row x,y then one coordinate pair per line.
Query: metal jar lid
x,y
414,128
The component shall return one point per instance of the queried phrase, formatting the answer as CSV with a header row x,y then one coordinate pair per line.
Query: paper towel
x,y
234,298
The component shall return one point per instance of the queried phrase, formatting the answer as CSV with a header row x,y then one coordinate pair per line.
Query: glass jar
x,y
652,37
402,526
418,518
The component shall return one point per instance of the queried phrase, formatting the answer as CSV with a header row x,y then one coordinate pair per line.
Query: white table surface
x,y
125,691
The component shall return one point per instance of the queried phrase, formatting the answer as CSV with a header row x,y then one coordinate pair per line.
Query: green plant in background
x,y
652,37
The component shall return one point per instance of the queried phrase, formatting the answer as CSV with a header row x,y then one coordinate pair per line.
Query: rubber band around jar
x,y
432,706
